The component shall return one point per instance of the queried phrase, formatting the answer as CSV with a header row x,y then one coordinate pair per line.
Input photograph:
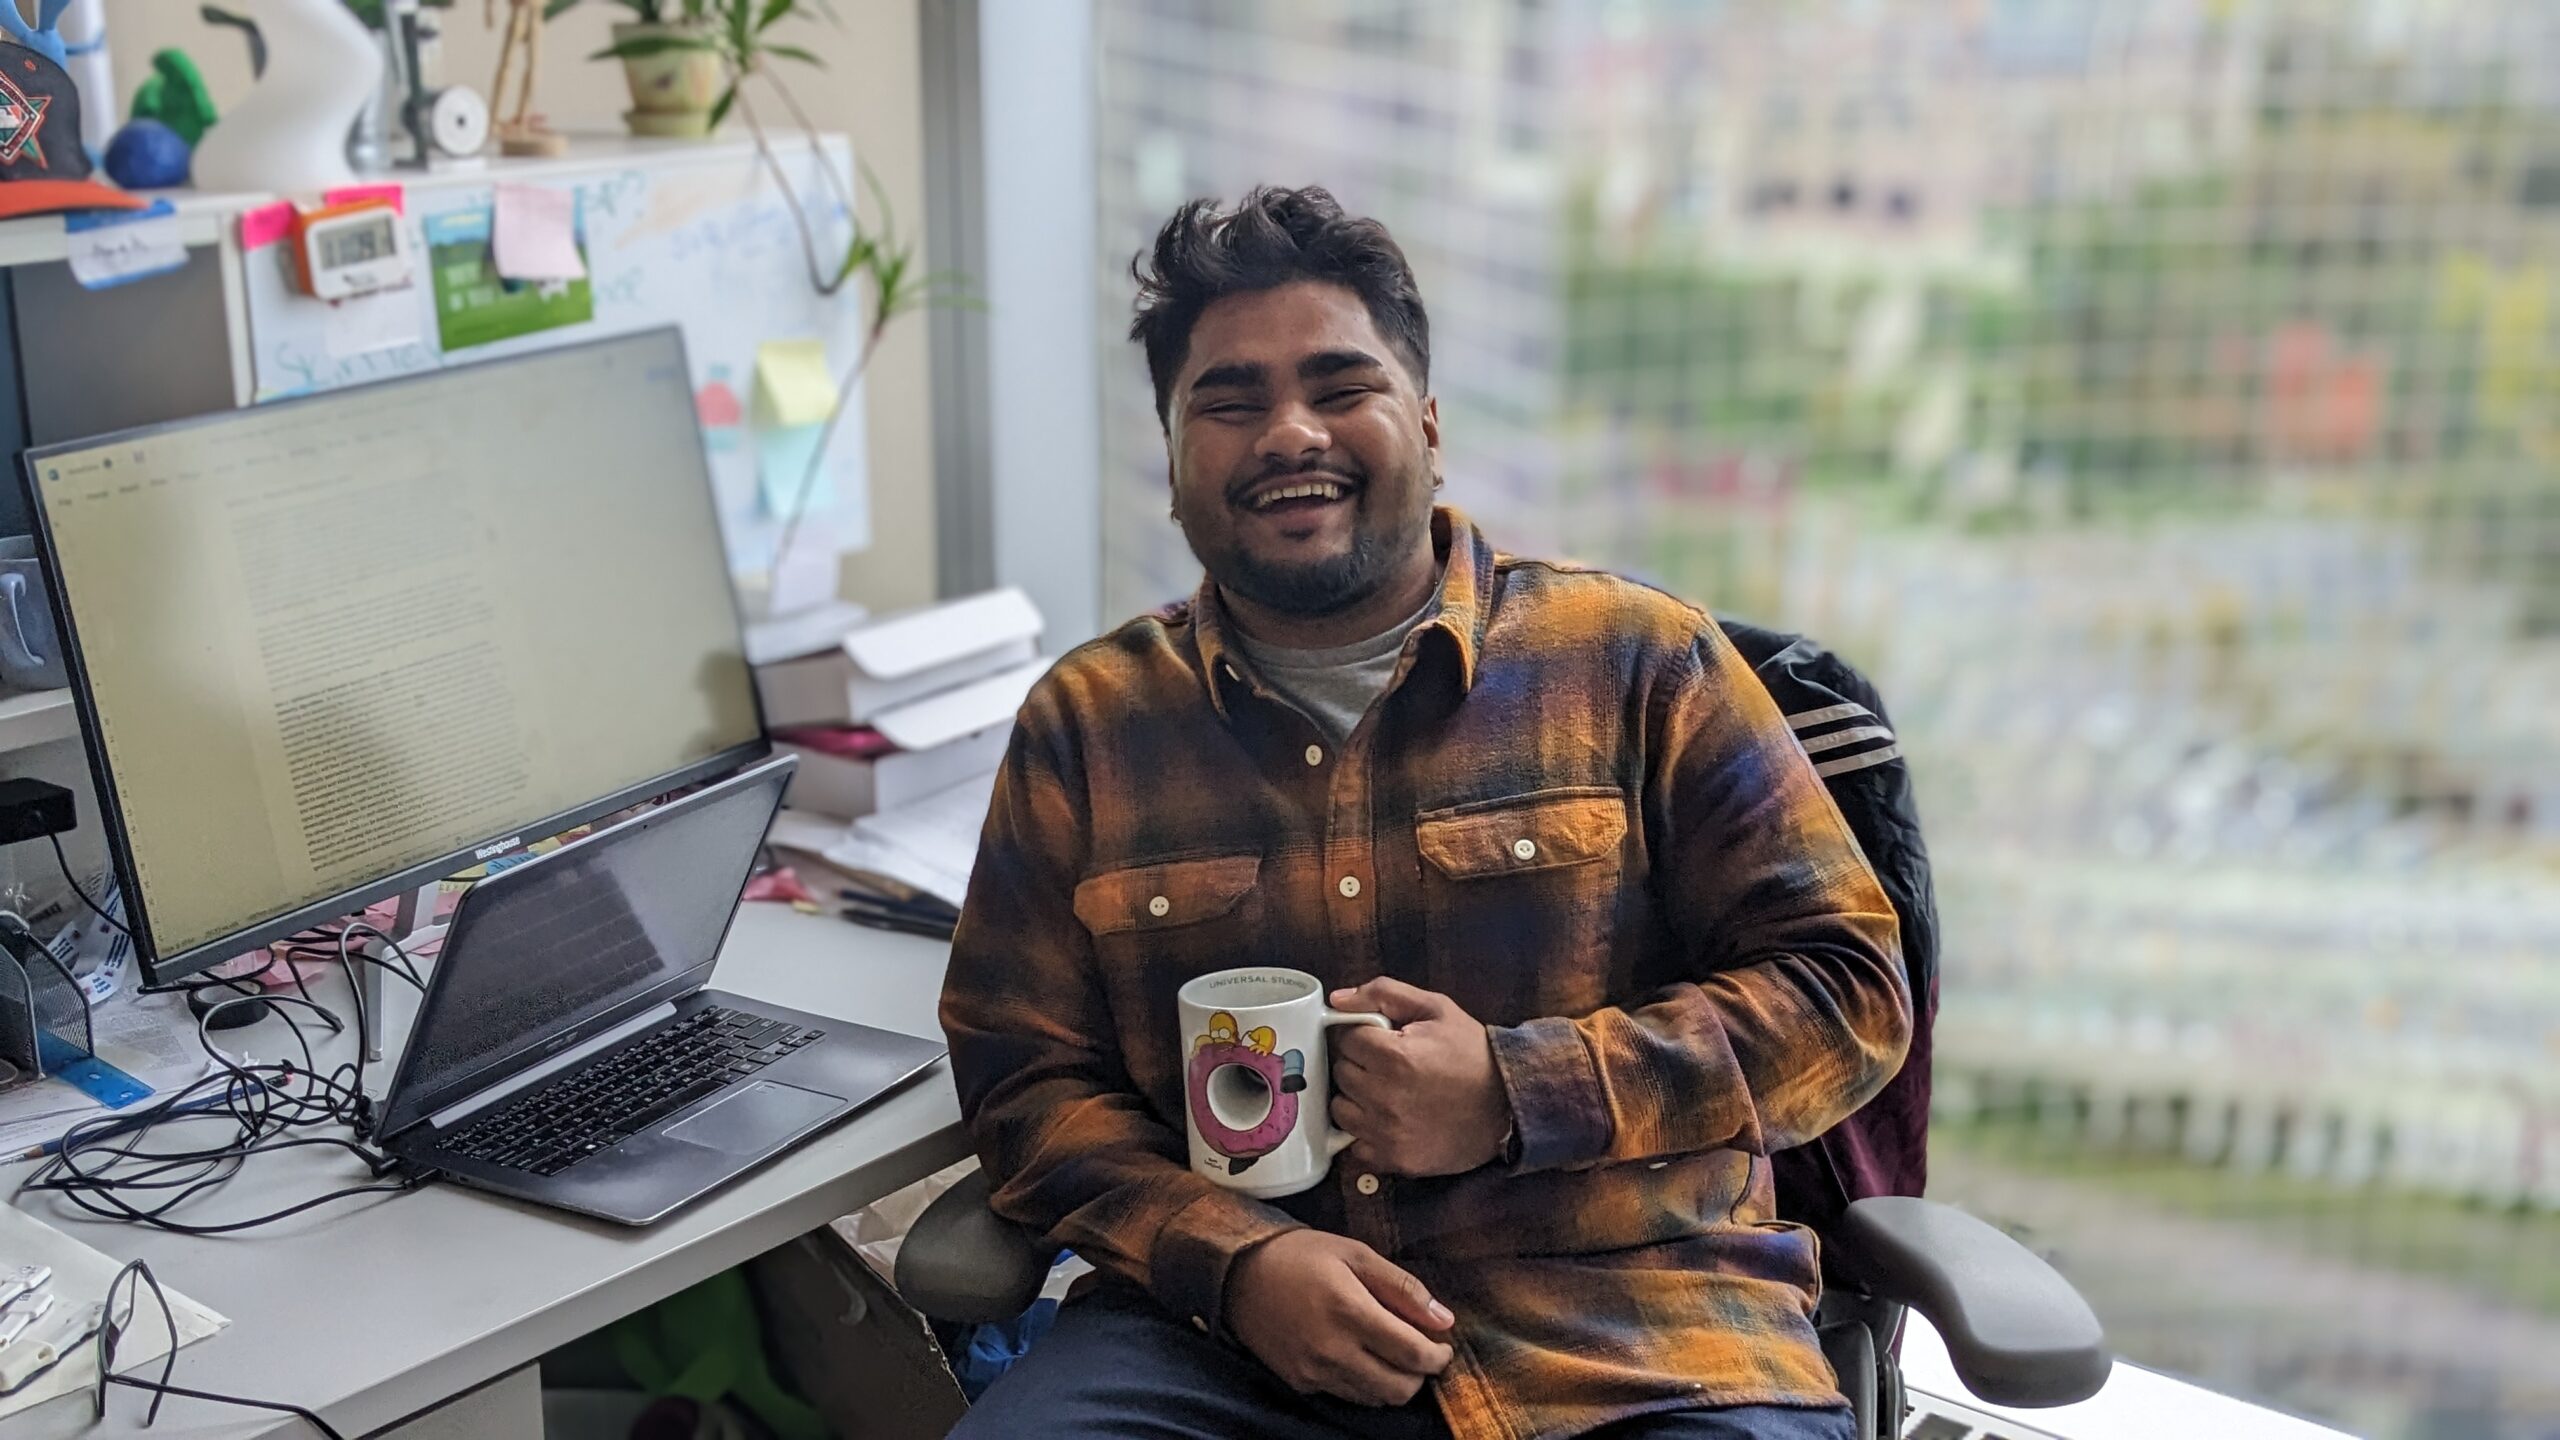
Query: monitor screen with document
x,y
332,648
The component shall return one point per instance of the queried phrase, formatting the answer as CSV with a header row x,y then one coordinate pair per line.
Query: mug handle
x,y
1337,1139
13,642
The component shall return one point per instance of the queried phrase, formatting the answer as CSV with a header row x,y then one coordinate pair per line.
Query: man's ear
x,y
1431,434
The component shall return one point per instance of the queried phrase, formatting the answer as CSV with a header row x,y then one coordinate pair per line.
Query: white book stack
x,y
901,709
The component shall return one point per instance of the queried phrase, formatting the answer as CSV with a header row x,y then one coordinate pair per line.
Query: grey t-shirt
x,y
1336,687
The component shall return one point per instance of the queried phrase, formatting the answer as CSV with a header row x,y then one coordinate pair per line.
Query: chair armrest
x,y
2016,1330
963,1262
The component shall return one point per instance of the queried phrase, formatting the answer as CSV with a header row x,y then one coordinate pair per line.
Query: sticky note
x,y
783,457
534,234
804,578
793,384
349,194
266,225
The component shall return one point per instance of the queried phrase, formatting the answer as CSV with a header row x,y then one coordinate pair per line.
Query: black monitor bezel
x,y
161,969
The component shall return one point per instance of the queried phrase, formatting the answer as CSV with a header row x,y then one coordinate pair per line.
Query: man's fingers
x,y
1363,1379
1404,1297
1394,999
1348,1114
1410,1352
1362,1047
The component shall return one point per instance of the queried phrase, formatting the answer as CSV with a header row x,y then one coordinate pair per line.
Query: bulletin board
x,y
707,243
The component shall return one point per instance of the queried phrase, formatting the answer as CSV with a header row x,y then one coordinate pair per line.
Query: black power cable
x,y
129,1166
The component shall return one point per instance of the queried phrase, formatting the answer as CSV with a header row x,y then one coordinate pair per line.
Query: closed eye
x,y
1335,397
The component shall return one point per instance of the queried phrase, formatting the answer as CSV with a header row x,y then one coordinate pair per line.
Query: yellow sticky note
x,y
793,384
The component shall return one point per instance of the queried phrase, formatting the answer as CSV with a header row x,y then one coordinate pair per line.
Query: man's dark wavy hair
x,y
1275,236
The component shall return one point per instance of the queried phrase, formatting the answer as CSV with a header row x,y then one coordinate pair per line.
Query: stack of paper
x,y
927,847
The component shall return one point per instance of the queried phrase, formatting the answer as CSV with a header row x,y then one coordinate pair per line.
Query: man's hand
x,y
1329,1314
1423,1098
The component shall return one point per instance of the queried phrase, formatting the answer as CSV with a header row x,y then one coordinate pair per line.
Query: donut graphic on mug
x,y
1244,1098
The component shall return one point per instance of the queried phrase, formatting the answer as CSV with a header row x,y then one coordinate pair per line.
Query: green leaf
x,y
720,107
557,8
773,10
794,52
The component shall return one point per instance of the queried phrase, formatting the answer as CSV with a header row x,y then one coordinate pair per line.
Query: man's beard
x,y
1315,590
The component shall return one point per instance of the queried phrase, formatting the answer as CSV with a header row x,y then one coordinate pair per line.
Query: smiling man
x,y
1544,819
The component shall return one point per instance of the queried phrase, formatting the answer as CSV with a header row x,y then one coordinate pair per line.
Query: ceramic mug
x,y
1258,1094
30,655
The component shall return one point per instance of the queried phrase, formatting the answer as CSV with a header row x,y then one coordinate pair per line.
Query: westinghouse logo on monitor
x,y
497,847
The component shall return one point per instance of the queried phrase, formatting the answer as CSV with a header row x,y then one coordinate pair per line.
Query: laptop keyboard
x,y
597,1107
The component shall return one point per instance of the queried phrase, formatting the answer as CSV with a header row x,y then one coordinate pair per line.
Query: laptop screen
x,y
570,944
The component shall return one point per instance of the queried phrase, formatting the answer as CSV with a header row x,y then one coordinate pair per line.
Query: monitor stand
x,y
413,926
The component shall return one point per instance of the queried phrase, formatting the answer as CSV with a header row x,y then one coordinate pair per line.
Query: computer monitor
x,y
331,649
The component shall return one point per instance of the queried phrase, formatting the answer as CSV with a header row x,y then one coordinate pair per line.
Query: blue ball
x,y
147,155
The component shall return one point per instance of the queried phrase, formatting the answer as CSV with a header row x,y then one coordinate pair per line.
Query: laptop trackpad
x,y
755,1118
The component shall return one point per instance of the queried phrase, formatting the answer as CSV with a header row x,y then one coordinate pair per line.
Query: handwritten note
x,y
793,385
535,234
383,320
117,248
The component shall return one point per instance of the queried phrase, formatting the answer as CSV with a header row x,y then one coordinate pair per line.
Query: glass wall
x,y
2162,401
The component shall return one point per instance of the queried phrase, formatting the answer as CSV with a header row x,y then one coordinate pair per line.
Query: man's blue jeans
x,y
1115,1365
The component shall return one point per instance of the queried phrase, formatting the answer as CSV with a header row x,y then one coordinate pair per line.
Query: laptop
x,y
568,1052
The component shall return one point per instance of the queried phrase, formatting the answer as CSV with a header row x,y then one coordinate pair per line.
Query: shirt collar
x,y
1466,579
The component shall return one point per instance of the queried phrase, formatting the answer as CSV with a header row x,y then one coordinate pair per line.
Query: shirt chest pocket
x,y
1155,926
1521,897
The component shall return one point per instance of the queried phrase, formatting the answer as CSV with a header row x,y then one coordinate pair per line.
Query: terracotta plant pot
x,y
671,93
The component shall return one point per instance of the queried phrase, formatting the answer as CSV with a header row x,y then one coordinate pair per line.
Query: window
x,y
2198,515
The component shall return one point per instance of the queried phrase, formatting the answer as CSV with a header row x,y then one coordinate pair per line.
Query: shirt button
x,y
1159,907
1199,1324
1315,754
1366,1184
1350,887
1526,849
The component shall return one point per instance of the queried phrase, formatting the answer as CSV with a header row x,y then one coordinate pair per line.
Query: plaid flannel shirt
x,y
1576,812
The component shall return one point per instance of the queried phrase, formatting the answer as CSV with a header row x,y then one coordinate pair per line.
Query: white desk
x,y
377,1309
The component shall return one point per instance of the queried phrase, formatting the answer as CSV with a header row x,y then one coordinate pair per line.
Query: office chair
x,y
2017,1332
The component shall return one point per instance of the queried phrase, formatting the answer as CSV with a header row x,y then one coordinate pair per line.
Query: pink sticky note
x,y
535,234
266,225
352,193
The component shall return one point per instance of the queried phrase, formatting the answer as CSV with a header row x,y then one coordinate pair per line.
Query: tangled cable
x,y
144,1165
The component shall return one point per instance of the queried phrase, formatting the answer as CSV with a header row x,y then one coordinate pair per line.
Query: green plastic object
x,y
706,1344
176,96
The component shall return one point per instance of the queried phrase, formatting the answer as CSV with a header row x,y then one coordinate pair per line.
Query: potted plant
x,y
675,75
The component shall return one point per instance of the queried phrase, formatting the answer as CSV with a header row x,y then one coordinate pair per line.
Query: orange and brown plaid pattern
x,y
1576,812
